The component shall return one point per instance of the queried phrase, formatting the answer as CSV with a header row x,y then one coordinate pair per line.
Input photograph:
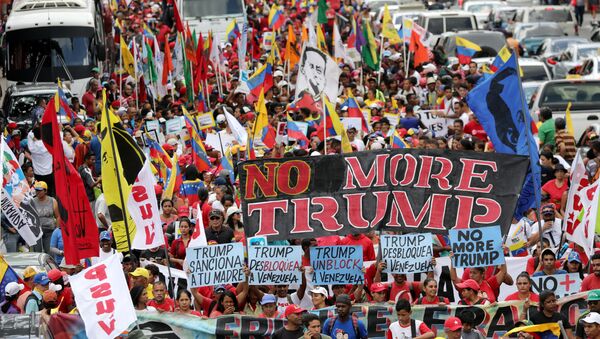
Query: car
x,y
583,95
502,18
555,45
438,22
42,262
534,70
490,42
589,69
571,58
530,88
561,15
398,16
20,101
481,9
533,35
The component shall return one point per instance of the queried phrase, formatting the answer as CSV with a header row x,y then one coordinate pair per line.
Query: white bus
x,y
213,15
50,39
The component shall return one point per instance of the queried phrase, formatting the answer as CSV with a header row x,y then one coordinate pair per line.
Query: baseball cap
x,y
105,235
29,272
453,323
560,167
574,256
215,213
220,289
343,299
220,118
593,295
430,81
40,185
469,283
548,250
268,299
55,274
319,290
378,287
140,272
293,309
41,279
167,147
592,318
173,142
13,288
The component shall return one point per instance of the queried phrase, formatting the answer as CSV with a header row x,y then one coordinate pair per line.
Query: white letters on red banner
x,y
103,299
143,208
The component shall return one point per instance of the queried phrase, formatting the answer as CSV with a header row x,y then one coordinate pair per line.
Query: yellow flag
x,y
291,52
337,125
387,28
321,44
118,176
262,120
128,62
569,121
168,193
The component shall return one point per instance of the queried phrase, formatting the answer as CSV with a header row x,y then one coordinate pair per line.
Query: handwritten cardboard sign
x,y
477,247
275,265
215,264
337,265
407,253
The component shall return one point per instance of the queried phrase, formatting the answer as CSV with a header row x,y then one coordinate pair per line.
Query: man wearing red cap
x,y
469,290
65,295
293,327
452,328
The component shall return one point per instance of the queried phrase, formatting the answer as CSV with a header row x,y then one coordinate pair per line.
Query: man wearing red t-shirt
x,y
487,286
592,281
160,302
360,240
89,98
400,288
475,129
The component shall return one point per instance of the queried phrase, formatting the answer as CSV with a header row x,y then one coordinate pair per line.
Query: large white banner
x,y
103,299
143,208
319,74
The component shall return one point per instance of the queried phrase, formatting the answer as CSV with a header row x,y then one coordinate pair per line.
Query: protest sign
x,y
173,126
205,120
477,247
561,284
337,265
352,122
434,123
408,190
394,119
407,253
152,125
318,75
215,264
103,300
275,265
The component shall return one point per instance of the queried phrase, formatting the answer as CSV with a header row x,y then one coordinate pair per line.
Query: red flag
x,y
78,225
420,52
167,63
190,52
178,22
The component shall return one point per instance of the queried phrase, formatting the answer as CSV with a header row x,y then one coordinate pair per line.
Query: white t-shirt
x,y
305,303
553,234
397,331
103,256
41,159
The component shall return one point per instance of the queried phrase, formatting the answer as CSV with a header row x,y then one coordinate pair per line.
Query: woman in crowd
x,y
184,303
179,246
226,304
523,290
431,298
168,214
234,220
557,186
139,296
548,313
47,210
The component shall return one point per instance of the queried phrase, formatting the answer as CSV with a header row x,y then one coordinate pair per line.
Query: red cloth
x,y
436,301
80,151
88,101
405,290
178,250
591,282
330,240
475,129
515,296
66,300
362,240
555,192
168,305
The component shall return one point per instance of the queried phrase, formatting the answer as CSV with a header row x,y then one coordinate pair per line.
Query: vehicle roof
x,y
446,13
529,62
472,31
571,81
48,13
545,8
482,2
585,45
38,88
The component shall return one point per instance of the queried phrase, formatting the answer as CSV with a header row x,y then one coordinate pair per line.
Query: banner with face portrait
x,y
318,74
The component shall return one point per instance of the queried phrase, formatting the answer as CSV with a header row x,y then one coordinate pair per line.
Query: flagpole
x,y
324,125
205,89
114,154
120,74
380,57
135,72
170,285
525,111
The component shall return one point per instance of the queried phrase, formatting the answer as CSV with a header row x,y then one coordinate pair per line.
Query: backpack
x,y
413,328
332,321
38,301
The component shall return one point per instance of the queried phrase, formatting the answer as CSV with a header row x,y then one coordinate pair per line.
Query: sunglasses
x,y
215,218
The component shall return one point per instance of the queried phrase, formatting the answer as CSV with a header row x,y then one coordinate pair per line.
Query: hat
x,y
183,211
592,318
29,272
220,289
378,287
268,299
50,296
548,250
574,256
560,167
41,279
232,210
55,274
141,272
343,299
40,185
215,213
12,125
172,142
293,309
469,283
220,118
278,74
319,290
523,322
430,81
13,288
593,295
105,235
63,264
167,147
453,323
96,69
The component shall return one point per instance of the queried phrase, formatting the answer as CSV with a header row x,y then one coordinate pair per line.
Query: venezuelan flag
x,y
397,141
355,112
543,331
7,274
276,18
334,127
227,163
62,104
250,153
199,156
174,181
294,132
159,157
267,133
262,79
500,59
189,190
465,50
233,31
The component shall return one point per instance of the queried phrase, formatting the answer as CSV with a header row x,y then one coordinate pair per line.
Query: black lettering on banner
x,y
377,319
502,320
255,328
445,286
223,323
480,313
431,316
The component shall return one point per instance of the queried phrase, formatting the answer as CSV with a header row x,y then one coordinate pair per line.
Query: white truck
x,y
213,15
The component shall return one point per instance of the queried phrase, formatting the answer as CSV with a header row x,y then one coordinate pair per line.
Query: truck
x,y
213,15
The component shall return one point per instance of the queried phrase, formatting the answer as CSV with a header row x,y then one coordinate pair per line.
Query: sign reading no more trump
x,y
478,247
215,264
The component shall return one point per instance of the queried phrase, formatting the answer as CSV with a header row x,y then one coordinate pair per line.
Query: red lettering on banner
x,y
302,179
394,163
146,211
465,209
567,282
438,211
355,210
327,215
105,306
102,290
493,210
266,215
149,229
442,176
382,198
425,172
468,173
98,273
255,178
139,193
411,169
355,172
107,328
301,207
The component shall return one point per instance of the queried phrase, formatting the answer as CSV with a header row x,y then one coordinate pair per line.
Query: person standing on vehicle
x,y
47,210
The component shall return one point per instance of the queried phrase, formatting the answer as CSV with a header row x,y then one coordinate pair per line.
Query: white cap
x,y
150,115
278,74
220,118
233,209
172,142
13,288
376,145
319,290
592,318
121,110
282,83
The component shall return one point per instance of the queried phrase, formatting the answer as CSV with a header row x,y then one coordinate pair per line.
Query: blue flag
x,y
499,105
